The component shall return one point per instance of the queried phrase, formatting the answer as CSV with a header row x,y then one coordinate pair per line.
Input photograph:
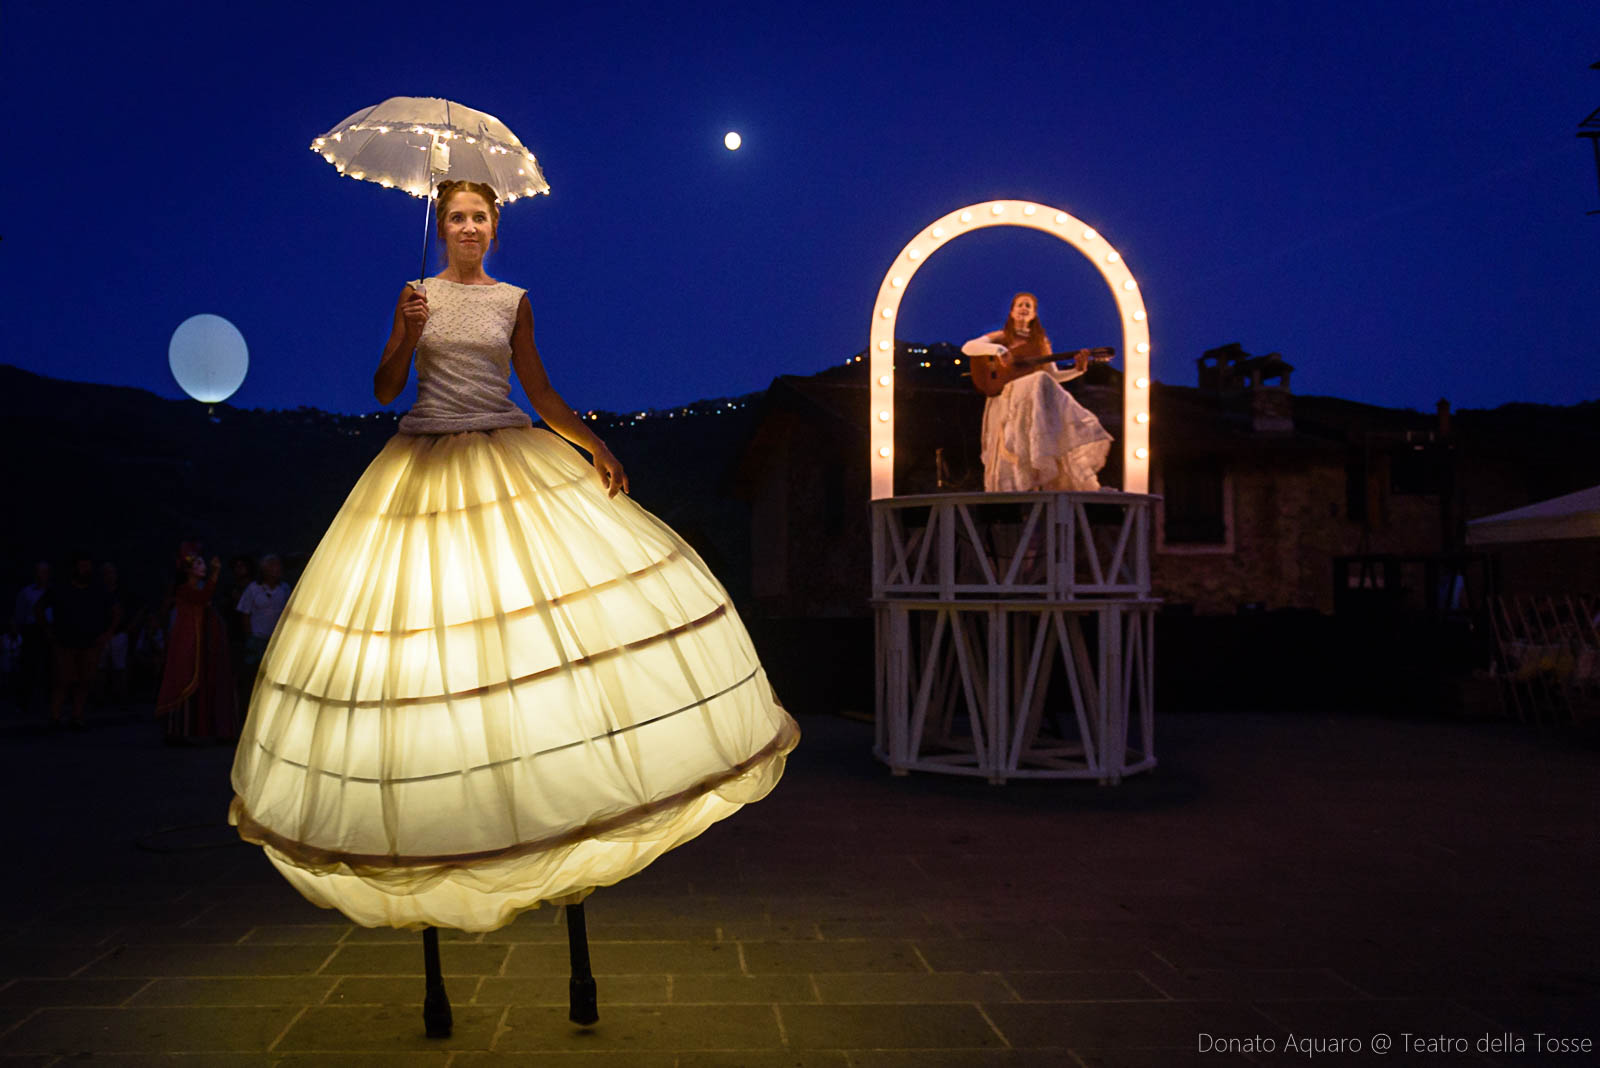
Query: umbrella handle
x,y
427,207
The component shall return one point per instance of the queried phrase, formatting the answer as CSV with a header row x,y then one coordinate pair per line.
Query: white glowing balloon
x,y
732,140
208,357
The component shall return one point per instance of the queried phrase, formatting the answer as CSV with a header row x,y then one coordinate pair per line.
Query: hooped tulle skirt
x,y
1036,436
495,687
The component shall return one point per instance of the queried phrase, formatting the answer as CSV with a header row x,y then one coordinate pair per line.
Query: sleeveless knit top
x,y
464,360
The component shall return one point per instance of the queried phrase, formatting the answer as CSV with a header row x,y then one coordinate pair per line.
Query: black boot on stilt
x,y
435,1002
584,998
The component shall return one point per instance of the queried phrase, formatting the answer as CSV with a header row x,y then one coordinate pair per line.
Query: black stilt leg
x,y
585,1007
435,1003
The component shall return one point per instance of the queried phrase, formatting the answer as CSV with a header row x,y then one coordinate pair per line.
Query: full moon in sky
x,y
733,140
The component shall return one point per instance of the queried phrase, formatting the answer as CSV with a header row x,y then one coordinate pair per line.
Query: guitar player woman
x,y
1035,435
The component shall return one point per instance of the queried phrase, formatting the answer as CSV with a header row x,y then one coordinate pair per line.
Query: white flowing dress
x,y
494,686
1036,436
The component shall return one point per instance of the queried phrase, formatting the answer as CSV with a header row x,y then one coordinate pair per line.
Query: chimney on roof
x,y
1264,380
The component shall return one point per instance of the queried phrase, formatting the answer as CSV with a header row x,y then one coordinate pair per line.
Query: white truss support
x,y
1080,679
970,632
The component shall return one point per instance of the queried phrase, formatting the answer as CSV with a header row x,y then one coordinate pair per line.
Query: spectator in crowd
x,y
240,574
33,658
114,660
10,653
149,652
80,621
259,607
197,699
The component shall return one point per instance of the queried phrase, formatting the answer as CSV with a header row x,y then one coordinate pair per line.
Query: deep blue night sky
x,y
1390,194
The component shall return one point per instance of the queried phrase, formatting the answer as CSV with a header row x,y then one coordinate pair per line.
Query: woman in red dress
x,y
197,697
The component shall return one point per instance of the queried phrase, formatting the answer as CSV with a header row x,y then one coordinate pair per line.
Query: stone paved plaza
x,y
1326,878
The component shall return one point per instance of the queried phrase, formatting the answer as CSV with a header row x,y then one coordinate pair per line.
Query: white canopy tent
x,y
1577,515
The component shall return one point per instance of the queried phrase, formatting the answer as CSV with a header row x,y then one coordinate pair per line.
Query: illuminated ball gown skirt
x,y
495,687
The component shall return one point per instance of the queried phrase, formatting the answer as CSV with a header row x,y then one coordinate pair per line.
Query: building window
x,y
1356,491
1196,509
1414,471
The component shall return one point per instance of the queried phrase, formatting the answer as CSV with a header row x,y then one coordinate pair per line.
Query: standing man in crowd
x,y
80,619
261,604
33,652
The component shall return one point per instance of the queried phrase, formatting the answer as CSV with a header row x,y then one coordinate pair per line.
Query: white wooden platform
x,y
1015,634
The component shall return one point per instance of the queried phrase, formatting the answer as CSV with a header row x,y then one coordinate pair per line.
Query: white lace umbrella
x,y
413,143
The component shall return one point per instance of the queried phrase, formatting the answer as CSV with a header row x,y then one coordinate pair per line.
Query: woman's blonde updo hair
x,y
448,189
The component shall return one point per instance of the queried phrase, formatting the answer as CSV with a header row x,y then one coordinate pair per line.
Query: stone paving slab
x,y
330,1059
1284,984
463,958
1087,985
888,1027
743,989
70,991
210,960
365,1028
49,961
630,1028
1121,1025
623,958
570,1059
387,990
767,958
786,1059
553,990
246,990
156,1060
911,988
134,1030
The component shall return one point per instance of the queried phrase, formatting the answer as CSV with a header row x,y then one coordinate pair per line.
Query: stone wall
x,y
1289,521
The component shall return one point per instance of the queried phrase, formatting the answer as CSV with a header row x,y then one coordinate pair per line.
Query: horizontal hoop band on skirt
x,y
495,687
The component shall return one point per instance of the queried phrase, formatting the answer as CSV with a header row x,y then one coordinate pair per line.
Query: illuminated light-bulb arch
x,y
1107,260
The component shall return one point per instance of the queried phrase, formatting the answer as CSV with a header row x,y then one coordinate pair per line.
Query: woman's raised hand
x,y
414,311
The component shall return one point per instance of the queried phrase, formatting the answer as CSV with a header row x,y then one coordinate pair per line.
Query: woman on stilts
x,y
500,682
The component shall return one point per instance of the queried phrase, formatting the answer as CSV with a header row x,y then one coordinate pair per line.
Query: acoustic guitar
x,y
990,376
